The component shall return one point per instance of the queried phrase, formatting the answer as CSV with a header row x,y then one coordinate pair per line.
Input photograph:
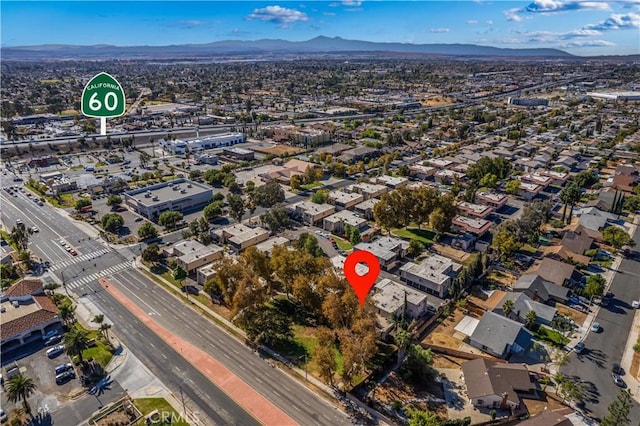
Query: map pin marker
x,y
361,284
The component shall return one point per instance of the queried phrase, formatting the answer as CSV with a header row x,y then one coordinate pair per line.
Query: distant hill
x,y
264,47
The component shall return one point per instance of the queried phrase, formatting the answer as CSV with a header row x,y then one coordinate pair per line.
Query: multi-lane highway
x,y
170,367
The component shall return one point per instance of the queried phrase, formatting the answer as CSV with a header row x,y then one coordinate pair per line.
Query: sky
x,y
586,28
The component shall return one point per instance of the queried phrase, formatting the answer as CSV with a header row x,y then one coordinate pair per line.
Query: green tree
x,y
75,342
82,202
212,210
20,388
415,248
147,230
269,195
114,200
423,418
507,308
111,222
324,354
594,286
151,253
66,312
20,236
417,366
295,182
320,196
569,195
236,206
618,410
276,218
512,187
179,274
530,319
505,243
616,237
169,219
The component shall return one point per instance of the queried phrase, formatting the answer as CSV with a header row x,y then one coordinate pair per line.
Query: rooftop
x,y
475,208
389,295
169,191
434,268
344,197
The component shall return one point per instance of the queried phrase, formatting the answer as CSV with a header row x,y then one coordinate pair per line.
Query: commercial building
x,y
433,275
528,101
616,96
283,174
179,195
58,182
206,158
26,314
311,213
239,153
180,146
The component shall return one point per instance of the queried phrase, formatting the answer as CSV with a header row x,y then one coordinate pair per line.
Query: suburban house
x,y
548,418
500,336
553,271
522,304
191,254
433,275
537,288
312,213
27,314
576,242
496,385
388,250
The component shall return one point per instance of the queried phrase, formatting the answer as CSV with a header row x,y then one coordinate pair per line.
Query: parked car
x,y
63,378
55,351
617,369
3,416
595,327
53,340
618,380
49,334
63,367
579,347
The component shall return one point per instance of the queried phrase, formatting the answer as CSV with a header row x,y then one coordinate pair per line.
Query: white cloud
x,y
616,22
472,21
490,22
352,2
439,30
589,43
555,6
329,13
282,16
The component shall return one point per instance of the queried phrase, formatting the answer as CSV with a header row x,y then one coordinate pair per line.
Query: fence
x,y
459,354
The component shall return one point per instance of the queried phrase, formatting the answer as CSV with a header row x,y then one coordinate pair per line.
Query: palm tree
x,y
20,388
403,340
66,312
98,319
75,342
104,329
507,308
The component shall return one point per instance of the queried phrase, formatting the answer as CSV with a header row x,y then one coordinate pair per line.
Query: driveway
x,y
603,349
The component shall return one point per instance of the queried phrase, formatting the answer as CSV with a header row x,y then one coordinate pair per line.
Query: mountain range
x,y
272,47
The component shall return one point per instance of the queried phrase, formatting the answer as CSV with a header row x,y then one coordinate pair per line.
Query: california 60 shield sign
x,y
103,97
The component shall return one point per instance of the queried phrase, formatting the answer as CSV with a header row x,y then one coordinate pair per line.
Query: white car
x,y
595,327
635,304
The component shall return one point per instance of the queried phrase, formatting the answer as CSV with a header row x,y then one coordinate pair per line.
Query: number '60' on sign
x,y
103,97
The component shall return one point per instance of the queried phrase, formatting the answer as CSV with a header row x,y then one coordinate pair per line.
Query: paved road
x,y
278,387
605,348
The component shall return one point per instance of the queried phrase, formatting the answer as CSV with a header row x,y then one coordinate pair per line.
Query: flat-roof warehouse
x,y
179,195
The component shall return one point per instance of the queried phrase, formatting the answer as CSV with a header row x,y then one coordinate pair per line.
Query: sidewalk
x,y
627,357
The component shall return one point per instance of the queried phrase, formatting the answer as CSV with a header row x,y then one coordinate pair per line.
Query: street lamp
x,y
306,373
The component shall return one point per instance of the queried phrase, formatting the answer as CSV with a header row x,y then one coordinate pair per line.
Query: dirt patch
x,y
220,310
457,255
536,406
443,333
447,361
635,365
396,389
490,302
279,150
503,278
577,316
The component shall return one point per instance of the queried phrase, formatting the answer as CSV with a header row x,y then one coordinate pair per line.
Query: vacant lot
x,y
424,398
279,150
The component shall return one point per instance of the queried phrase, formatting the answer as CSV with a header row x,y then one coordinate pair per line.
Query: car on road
x,y
617,369
63,367
62,242
55,351
53,340
63,378
635,304
618,380
579,347
35,229
3,416
595,327
73,252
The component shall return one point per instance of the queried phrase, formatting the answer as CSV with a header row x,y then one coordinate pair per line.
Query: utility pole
x,y
64,284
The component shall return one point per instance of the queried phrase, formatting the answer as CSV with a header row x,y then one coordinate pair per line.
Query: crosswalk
x,y
76,259
96,276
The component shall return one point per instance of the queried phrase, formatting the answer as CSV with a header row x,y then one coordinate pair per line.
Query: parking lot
x,y
41,369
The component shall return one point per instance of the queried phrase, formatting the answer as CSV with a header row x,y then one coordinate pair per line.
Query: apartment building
x,y
344,200
388,250
474,210
311,213
337,222
433,275
473,226
492,199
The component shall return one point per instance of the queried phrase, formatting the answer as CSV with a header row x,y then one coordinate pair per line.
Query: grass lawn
x,y
311,185
603,263
101,164
551,336
147,405
76,167
342,244
423,235
528,249
101,352
304,341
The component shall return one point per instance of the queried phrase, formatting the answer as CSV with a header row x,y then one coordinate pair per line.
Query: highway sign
x,y
103,97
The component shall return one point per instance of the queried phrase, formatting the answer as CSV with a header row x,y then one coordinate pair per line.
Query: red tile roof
x,y
23,287
48,311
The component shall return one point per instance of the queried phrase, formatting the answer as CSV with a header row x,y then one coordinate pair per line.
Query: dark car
x,y
617,369
63,378
55,351
63,367
56,338
618,381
